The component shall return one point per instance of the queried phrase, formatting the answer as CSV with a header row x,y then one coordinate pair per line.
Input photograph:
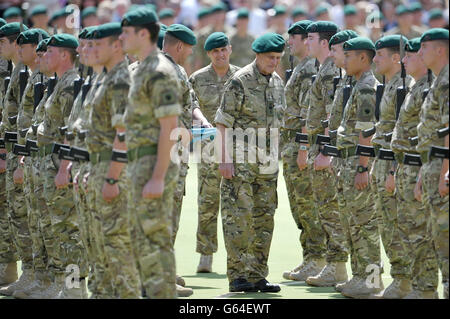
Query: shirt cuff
x,y
224,119
168,110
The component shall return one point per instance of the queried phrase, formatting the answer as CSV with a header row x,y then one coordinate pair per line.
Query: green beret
x,y
375,16
269,42
89,11
416,6
166,13
84,33
322,26
320,10
298,11
243,13
390,41
106,30
12,13
139,17
63,40
349,10
279,10
435,13
182,33
430,35
342,36
359,43
401,9
413,45
90,32
11,29
161,34
299,27
203,12
219,7
216,40
39,9
2,22
42,46
32,36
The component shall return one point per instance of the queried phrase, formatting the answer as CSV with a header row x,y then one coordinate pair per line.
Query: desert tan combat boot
x,y
287,273
311,268
183,291
52,292
205,264
419,294
362,290
352,281
8,273
398,289
24,280
180,281
333,273
41,282
79,292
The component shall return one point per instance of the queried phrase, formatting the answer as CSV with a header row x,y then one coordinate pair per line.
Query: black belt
x,y
363,150
329,150
386,154
412,159
79,154
438,152
301,138
11,137
22,150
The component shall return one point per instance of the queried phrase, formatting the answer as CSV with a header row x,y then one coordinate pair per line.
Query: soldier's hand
x,y
85,181
206,124
109,192
18,176
62,179
302,160
390,183
418,190
226,170
75,181
153,189
443,185
2,166
361,180
322,162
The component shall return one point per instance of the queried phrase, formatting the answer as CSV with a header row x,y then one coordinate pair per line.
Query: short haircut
x,y
370,54
152,28
393,50
13,37
72,53
113,38
170,39
326,36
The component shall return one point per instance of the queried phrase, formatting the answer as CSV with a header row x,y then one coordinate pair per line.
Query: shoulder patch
x,y
168,97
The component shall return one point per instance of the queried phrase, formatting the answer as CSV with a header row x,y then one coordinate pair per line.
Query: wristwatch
x,y
392,172
111,181
303,148
361,169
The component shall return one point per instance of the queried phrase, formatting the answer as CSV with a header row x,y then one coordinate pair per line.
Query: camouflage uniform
x,y
113,242
325,199
242,49
66,241
25,115
298,184
7,247
434,115
411,214
249,199
208,88
385,202
190,102
17,210
153,94
358,218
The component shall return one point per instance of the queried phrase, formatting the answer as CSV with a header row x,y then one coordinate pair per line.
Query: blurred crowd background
x,y
369,18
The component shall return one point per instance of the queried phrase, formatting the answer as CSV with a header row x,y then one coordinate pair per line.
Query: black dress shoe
x,y
264,286
242,284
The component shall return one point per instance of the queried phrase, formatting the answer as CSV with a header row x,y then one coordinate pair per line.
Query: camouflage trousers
x,y
113,242
304,212
248,201
52,250
209,179
386,208
151,228
359,221
40,258
414,229
437,208
17,210
323,184
180,191
7,247
64,223
97,286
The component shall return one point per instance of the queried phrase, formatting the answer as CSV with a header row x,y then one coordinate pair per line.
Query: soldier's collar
x,y
262,79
